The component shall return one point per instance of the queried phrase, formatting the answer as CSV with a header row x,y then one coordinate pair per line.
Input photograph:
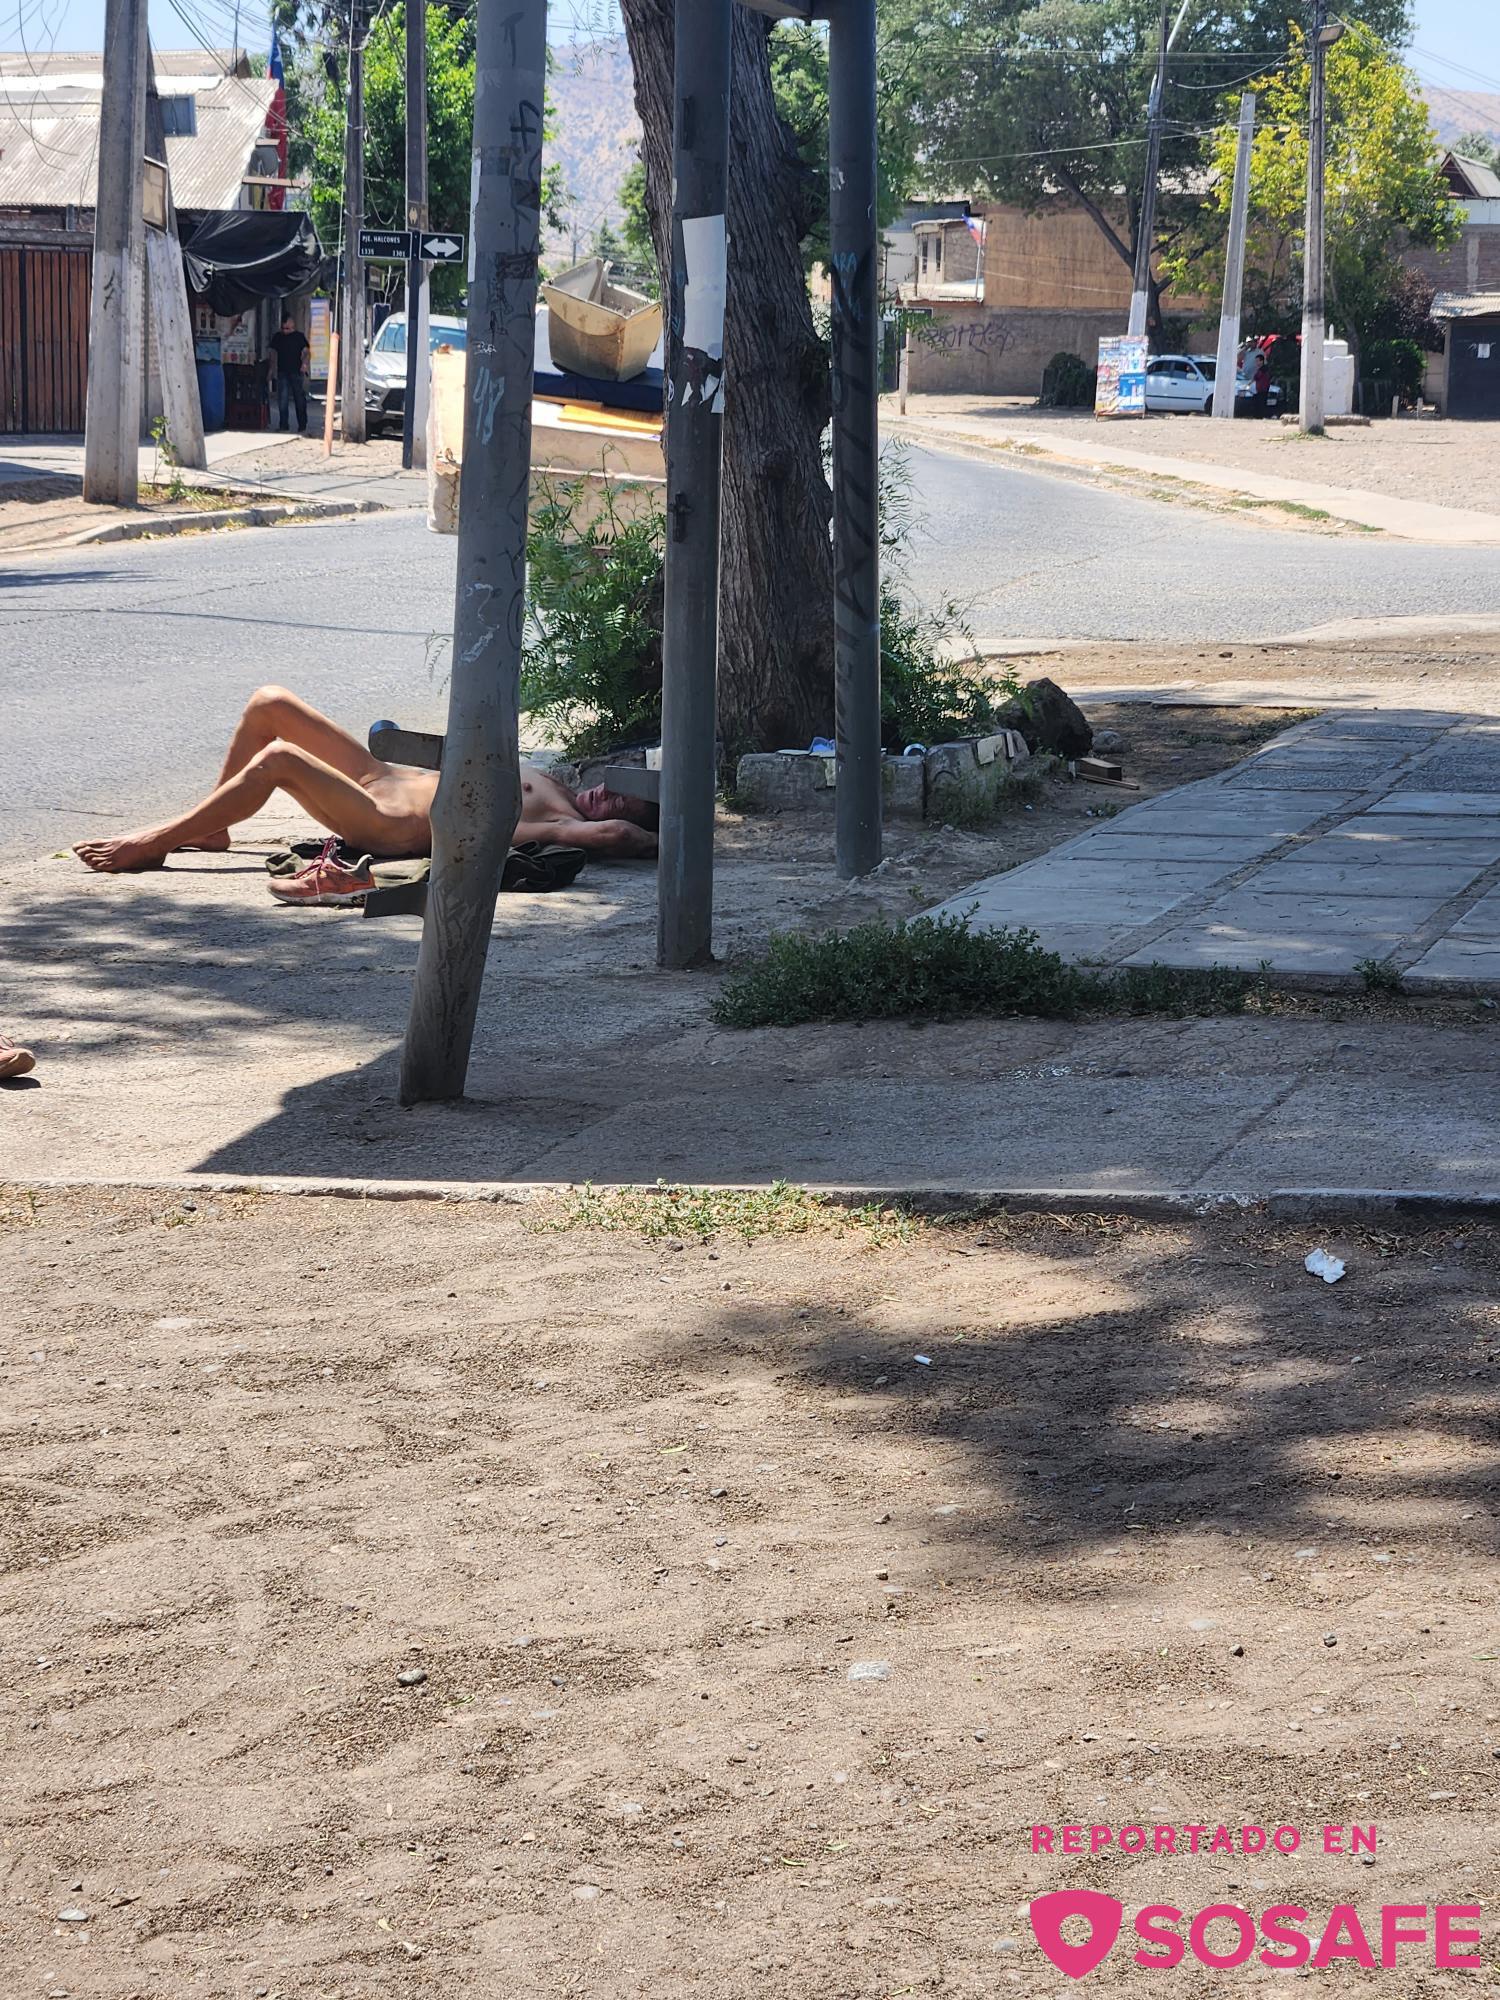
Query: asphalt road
x,y
123,667
1033,556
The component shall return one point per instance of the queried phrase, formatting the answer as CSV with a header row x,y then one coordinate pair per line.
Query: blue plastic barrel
x,y
211,394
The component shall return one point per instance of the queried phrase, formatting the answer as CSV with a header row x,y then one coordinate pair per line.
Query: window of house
x,y
179,117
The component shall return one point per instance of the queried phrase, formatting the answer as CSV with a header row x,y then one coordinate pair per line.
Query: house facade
x,y
1007,289
222,152
1466,279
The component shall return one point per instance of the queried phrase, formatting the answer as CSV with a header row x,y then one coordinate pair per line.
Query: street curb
x,y
260,515
1151,1205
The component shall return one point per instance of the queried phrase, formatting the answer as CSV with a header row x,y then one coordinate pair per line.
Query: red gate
x,y
44,339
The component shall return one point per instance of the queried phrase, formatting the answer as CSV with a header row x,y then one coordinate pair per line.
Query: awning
x,y
249,254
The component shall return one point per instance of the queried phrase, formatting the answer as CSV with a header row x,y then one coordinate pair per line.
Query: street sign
x,y
442,247
385,246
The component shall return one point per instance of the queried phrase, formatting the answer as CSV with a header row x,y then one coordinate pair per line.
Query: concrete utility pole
x,y
1226,374
856,433
112,419
479,792
695,448
1140,289
354,216
1313,310
413,426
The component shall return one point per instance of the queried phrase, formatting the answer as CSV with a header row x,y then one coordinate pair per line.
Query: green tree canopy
x,y
316,86
1027,101
1384,187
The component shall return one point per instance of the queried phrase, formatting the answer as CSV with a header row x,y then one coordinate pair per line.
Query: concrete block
x,y
795,781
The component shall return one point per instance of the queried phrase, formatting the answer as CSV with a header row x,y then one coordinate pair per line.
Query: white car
x,y
1185,383
385,364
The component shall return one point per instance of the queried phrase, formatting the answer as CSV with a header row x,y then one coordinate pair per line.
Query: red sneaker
x,y
326,881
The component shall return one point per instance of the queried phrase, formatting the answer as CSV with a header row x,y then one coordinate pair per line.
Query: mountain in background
x,y
598,134
1455,112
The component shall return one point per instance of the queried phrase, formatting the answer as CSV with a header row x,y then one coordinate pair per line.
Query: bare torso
x,y
405,793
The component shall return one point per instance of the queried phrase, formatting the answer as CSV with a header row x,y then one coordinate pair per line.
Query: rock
x,y
411,1677
1048,719
870,1670
1108,739
1237,1652
1330,1638
72,1915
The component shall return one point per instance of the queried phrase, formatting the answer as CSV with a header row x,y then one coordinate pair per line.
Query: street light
x,y
1324,34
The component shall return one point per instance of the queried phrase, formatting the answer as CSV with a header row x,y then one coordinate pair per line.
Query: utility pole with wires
x,y
1227,371
112,420
354,216
1140,290
1314,313
414,421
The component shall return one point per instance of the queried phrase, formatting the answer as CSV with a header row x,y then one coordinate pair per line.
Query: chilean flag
x,y
276,120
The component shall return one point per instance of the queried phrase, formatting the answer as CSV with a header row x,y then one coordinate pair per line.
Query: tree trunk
x,y
776,592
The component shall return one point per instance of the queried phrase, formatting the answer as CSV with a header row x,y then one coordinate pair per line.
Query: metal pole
x,y
695,438
354,216
416,221
112,420
1140,290
1311,399
856,433
1226,374
479,792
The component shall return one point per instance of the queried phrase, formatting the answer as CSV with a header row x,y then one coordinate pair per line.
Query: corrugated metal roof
x,y
1466,305
169,62
48,151
1483,182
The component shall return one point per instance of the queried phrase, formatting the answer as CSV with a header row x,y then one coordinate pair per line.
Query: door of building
x,y
1473,368
44,339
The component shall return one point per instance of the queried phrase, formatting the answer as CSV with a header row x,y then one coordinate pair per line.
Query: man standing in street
x,y
290,351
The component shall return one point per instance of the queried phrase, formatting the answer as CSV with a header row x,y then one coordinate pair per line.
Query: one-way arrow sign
x,y
442,249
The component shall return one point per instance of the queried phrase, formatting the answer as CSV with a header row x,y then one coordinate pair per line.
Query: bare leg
x,y
275,714
333,799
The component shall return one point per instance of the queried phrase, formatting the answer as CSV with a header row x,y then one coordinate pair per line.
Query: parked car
x,y
385,365
1185,383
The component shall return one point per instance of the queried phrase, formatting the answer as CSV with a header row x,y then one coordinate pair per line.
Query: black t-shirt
x,y
289,349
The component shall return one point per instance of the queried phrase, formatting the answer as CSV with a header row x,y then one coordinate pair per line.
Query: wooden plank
x,y
10,340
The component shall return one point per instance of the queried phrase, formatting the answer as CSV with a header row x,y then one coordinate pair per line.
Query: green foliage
x,y
1378,975
926,695
1026,101
937,969
318,39
1384,190
1480,146
640,248
591,667
1068,383
799,78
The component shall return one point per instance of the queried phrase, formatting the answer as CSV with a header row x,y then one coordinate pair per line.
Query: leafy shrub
x,y
937,969
591,666
1068,383
926,696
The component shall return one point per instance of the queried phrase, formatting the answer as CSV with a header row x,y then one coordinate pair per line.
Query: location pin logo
x,y
1050,1913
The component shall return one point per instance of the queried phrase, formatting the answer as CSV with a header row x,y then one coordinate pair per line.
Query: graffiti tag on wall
x,y
990,336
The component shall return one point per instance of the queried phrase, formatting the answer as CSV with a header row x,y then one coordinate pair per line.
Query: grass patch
x,y
673,1213
937,969
1379,975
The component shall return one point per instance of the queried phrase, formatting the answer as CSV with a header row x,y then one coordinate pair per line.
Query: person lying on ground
x,y
384,810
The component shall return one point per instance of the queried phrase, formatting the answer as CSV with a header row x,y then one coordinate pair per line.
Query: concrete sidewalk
x,y
1366,835
1118,446
188,1026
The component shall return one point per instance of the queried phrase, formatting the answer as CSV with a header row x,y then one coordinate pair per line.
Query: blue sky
x,y
1457,42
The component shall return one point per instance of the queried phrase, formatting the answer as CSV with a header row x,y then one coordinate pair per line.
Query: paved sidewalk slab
x,y
1364,835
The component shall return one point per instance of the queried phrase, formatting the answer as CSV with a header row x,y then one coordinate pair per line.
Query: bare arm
x,y
621,838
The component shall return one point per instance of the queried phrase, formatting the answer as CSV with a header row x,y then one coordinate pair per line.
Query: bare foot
x,y
126,855
211,843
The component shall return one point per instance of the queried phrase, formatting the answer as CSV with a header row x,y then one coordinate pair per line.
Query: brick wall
x,y
967,349
1472,265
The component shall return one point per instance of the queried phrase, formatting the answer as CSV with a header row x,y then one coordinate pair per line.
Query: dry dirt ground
x,y
1162,1531
1414,458
50,508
